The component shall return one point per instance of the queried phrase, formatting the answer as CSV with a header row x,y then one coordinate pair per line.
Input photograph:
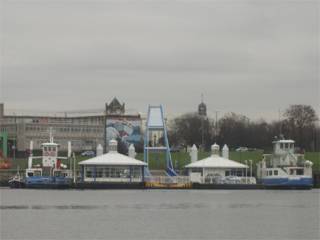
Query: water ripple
x,y
118,206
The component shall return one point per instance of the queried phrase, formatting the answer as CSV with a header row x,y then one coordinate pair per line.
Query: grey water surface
x,y
159,214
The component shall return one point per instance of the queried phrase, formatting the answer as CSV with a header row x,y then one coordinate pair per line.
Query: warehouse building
x,y
85,129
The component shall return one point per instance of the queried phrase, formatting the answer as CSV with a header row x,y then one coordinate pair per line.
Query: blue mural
x,y
129,129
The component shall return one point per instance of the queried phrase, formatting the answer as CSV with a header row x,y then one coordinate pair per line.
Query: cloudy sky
x,y
248,57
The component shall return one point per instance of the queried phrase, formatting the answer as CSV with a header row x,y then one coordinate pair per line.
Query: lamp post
x,y
179,164
202,113
246,170
105,132
14,141
250,168
74,167
155,140
216,127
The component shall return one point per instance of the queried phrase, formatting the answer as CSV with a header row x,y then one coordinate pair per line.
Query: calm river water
x,y
159,214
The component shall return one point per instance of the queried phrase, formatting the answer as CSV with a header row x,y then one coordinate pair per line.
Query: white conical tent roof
x,y
113,159
216,162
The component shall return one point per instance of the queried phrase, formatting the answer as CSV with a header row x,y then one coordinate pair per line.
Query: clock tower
x,y
115,108
202,108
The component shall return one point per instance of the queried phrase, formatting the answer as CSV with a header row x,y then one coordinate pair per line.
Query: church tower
x,y
202,108
115,107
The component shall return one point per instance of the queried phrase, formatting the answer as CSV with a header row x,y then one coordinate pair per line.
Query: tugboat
x,y
51,173
284,170
17,181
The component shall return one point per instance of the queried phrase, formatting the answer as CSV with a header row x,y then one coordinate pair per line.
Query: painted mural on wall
x,y
128,129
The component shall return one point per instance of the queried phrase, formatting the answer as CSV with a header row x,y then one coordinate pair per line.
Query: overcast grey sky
x,y
248,57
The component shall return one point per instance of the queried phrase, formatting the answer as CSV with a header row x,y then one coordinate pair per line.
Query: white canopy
x,y
216,161
113,159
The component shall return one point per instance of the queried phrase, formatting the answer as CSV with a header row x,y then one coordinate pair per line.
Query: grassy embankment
x,y
183,159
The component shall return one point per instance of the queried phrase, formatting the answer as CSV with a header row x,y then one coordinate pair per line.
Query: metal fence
x,y
186,179
167,179
248,180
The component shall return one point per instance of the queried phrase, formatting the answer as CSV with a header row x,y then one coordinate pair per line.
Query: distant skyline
x,y
248,57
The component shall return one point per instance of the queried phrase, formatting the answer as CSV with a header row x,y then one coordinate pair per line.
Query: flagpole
x,y
74,167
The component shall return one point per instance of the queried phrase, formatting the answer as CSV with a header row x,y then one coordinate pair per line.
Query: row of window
x,y
292,172
272,173
238,173
113,172
56,174
63,143
92,120
286,145
82,130
49,149
9,129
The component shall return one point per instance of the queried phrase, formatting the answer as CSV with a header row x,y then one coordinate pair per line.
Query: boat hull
x,y
288,183
48,186
17,184
288,187
48,182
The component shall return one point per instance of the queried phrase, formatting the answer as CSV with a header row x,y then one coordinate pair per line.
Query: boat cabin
x,y
51,165
283,146
283,154
50,155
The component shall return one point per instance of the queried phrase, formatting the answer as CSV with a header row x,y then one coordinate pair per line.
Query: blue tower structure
x,y
155,122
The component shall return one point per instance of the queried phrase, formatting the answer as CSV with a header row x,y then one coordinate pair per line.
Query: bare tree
x,y
237,130
189,129
259,134
234,130
300,123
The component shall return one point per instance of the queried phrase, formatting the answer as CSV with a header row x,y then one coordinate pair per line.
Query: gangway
x,y
155,122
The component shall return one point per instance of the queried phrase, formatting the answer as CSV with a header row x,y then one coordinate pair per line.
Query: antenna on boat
x,y
51,138
280,123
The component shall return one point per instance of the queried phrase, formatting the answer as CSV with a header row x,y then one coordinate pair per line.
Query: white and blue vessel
x,y
17,181
51,173
284,169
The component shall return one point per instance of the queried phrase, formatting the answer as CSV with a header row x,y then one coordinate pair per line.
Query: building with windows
x,y
85,129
